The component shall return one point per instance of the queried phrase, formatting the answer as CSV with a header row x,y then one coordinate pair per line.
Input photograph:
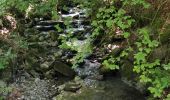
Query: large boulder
x,y
63,69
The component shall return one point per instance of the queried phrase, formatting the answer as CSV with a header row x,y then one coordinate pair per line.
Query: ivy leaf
x,y
109,23
126,34
166,67
94,23
140,57
58,28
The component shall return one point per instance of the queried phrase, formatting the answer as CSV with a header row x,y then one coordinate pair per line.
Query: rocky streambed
x,y
45,73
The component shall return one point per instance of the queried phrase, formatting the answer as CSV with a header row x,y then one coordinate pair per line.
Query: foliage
x,y
83,50
5,58
153,73
4,90
39,7
111,63
136,2
10,49
110,17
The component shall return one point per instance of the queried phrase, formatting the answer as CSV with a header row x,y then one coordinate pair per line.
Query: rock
x,y
126,71
165,37
162,52
45,66
41,38
72,87
129,77
34,73
50,74
58,53
49,22
44,28
115,52
63,69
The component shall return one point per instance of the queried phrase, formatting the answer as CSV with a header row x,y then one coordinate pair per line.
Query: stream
x,y
51,78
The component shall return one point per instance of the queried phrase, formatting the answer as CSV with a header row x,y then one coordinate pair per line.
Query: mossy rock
x,y
126,71
165,36
63,69
161,53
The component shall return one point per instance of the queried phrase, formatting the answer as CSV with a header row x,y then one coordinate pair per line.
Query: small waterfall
x,y
78,22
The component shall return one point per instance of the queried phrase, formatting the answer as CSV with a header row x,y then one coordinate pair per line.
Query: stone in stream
x,y
72,87
63,69
45,28
49,22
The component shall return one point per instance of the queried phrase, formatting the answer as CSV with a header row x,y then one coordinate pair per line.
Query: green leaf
x,y
126,34
109,23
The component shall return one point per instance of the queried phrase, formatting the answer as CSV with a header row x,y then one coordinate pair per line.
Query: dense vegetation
x,y
142,24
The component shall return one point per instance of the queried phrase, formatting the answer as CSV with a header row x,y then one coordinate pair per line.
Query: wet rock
x,y
45,66
49,22
74,16
45,28
129,77
72,87
126,70
63,69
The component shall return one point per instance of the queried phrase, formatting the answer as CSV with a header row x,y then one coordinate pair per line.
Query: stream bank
x,y
45,72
